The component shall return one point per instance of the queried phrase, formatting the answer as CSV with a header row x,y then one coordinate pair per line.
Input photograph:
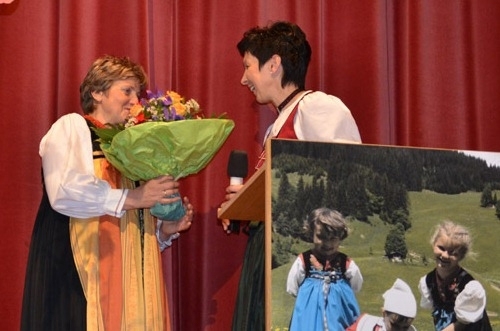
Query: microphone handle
x,y
235,181
234,226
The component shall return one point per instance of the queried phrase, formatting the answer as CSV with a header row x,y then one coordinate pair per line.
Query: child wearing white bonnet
x,y
399,311
399,299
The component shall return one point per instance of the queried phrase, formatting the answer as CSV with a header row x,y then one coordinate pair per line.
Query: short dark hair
x,y
284,39
103,72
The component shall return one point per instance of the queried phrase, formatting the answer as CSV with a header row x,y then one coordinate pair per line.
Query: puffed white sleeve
x,y
68,170
353,274
323,117
296,276
470,303
425,294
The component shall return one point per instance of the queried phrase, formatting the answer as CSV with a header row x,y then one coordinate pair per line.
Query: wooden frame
x,y
255,202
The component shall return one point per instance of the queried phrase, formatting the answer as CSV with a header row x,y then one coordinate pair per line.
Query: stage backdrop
x,y
414,73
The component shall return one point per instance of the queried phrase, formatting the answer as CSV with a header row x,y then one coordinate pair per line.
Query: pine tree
x,y
486,196
283,209
395,244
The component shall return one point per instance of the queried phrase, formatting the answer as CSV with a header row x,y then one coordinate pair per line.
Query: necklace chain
x,y
287,100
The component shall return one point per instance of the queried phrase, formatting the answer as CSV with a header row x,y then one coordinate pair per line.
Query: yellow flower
x,y
136,110
180,109
176,97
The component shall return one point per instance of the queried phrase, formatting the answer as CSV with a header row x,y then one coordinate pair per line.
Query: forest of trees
x,y
362,181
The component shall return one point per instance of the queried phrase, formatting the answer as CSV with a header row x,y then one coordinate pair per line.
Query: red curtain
x,y
413,72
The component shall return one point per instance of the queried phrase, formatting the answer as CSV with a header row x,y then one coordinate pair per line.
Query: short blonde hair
x,y
103,72
458,234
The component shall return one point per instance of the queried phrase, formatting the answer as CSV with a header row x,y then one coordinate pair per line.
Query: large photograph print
x,y
392,198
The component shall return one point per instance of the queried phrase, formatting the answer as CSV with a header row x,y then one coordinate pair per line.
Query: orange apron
x,y
122,282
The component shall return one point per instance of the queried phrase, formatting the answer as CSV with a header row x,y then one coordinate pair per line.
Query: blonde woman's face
x,y
113,105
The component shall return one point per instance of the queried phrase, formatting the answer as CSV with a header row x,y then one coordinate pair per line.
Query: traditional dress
x,y
313,116
91,265
463,300
324,288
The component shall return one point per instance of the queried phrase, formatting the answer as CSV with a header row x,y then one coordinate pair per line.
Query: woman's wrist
x,y
164,238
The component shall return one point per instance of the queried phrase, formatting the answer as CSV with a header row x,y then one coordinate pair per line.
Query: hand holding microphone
x,y
237,170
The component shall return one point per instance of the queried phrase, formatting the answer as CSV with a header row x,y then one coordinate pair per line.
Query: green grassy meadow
x,y
365,245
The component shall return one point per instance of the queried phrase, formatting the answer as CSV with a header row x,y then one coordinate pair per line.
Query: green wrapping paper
x,y
176,148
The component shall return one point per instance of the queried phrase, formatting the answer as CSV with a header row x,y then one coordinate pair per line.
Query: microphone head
x,y
238,164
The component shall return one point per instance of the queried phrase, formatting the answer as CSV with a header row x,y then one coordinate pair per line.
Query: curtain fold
x,y
414,73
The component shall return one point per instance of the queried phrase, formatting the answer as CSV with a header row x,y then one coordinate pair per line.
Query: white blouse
x,y
320,117
68,168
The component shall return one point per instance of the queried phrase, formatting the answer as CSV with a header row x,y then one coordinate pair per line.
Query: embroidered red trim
x,y
94,121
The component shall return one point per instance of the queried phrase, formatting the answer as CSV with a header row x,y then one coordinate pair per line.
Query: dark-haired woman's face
x,y
258,80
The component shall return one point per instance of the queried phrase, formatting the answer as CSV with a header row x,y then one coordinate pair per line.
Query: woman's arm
x,y
68,169
166,231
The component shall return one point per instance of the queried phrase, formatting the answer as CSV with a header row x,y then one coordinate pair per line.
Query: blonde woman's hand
x,y
156,190
184,223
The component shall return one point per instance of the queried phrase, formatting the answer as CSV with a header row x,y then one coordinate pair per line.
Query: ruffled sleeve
x,y
68,168
425,294
353,274
296,276
470,303
324,117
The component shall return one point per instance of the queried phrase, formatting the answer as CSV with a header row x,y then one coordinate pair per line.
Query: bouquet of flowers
x,y
165,134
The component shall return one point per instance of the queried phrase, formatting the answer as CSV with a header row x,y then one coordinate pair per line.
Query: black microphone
x,y
237,170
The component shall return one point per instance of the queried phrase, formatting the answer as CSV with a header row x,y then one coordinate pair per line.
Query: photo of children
x,y
391,199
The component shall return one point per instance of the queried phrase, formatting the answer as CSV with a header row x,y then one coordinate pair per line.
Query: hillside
x,y
366,246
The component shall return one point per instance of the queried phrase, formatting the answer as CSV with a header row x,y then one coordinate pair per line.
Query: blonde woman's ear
x,y
96,95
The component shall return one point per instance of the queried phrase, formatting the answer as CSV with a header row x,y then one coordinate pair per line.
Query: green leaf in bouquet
x,y
177,148
107,134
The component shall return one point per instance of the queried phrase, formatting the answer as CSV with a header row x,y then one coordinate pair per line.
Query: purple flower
x,y
151,94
